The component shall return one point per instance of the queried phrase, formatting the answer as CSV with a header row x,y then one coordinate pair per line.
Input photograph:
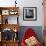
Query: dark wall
x,y
37,29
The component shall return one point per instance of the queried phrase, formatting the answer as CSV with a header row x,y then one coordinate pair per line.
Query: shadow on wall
x,y
37,29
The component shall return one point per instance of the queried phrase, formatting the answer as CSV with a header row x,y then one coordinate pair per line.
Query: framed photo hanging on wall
x,y
29,13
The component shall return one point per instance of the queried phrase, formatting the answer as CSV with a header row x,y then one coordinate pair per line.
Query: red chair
x,y
29,33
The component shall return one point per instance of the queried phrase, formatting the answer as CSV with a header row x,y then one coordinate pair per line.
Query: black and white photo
x,y
29,13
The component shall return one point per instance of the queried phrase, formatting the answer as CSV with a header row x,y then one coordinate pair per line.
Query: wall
x,y
33,3
26,3
37,29
37,25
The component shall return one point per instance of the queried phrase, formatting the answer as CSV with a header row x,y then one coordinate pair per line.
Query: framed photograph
x,y
5,12
29,13
13,20
13,12
9,20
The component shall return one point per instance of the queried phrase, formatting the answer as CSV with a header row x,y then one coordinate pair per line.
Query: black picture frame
x,y
29,13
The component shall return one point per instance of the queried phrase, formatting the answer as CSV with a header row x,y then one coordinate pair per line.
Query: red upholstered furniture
x,y
29,33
